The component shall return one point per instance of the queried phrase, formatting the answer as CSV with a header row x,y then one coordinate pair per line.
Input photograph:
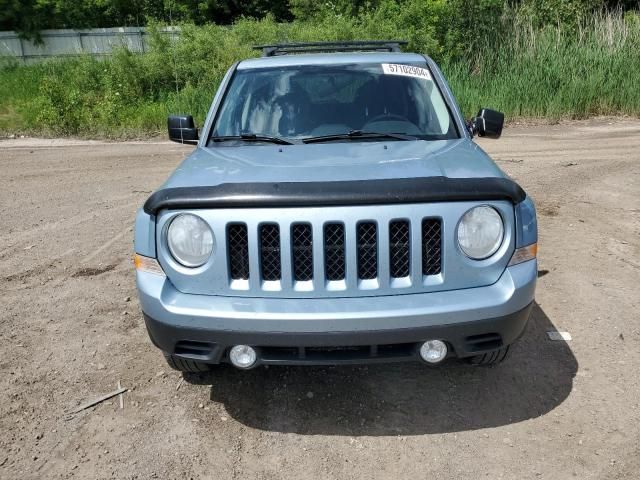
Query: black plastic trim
x,y
167,336
274,49
356,192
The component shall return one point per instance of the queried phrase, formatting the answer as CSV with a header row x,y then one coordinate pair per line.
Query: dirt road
x,y
71,328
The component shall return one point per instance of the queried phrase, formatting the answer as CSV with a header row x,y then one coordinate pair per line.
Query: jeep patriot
x,y
335,210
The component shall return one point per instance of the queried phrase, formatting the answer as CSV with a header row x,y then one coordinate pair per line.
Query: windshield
x,y
309,101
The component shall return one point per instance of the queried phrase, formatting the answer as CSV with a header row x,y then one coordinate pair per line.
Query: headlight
x,y
190,240
480,232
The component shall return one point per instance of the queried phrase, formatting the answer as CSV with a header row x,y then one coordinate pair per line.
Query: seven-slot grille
x,y
298,254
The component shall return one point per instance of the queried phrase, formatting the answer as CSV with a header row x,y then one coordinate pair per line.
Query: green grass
x,y
547,73
18,88
553,74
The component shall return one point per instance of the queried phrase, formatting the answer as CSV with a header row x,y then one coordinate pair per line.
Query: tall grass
x,y
550,72
556,73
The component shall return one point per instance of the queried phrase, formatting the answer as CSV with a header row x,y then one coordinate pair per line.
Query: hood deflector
x,y
343,193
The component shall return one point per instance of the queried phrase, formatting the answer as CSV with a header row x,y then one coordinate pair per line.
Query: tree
x,y
28,17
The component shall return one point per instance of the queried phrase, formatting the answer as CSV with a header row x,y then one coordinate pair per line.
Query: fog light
x,y
243,356
433,351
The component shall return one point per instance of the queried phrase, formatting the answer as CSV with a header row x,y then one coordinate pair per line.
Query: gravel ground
x,y
71,328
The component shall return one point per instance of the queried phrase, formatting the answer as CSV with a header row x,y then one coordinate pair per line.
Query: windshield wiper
x,y
253,137
358,134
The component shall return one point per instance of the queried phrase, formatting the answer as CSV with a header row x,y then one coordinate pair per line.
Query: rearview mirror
x,y
488,123
182,129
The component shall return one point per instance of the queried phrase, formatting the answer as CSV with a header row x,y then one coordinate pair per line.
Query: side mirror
x,y
182,129
488,123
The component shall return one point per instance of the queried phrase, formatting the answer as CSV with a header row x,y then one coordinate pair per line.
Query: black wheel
x,y
188,366
490,358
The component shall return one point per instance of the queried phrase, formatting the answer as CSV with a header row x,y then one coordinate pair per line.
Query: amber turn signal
x,y
523,254
147,264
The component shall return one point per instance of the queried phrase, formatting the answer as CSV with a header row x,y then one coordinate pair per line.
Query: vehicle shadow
x,y
404,398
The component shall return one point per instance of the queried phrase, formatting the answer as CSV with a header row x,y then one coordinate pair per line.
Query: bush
x,y
503,59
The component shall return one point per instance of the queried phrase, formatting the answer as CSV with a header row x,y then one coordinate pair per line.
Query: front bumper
x,y
337,330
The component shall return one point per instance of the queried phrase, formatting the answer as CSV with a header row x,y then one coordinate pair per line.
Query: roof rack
x,y
322,47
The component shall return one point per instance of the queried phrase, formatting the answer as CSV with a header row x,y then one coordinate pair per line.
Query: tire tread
x,y
493,357
184,365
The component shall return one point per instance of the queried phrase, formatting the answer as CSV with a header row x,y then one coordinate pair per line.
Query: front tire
x,y
493,357
184,365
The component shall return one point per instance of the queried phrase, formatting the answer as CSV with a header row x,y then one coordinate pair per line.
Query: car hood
x,y
338,161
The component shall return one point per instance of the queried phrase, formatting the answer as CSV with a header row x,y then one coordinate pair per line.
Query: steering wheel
x,y
389,116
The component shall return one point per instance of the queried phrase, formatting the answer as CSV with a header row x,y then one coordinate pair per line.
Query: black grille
x,y
367,250
302,251
366,247
270,251
334,263
282,355
431,246
399,251
238,248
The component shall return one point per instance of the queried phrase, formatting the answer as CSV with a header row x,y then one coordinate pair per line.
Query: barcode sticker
x,y
406,70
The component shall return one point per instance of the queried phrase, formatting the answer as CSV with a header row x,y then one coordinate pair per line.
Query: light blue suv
x,y
335,210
